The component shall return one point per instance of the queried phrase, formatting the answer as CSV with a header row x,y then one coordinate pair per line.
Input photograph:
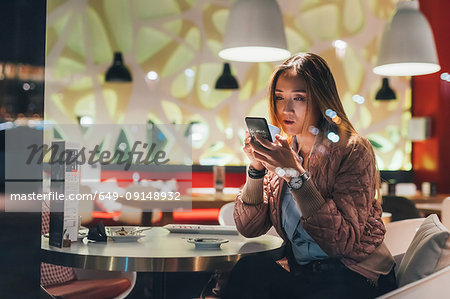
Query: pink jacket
x,y
338,205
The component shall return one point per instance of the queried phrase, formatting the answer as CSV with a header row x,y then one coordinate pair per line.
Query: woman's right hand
x,y
248,150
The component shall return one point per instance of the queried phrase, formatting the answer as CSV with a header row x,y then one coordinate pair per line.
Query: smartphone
x,y
258,125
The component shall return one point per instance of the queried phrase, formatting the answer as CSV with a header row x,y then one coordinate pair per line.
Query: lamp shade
x,y
407,46
226,80
118,72
385,93
255,32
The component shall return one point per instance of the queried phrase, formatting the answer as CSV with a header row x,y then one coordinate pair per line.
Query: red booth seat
x,y
98,288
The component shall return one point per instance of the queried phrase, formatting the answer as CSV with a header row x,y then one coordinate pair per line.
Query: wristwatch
x,y
296,182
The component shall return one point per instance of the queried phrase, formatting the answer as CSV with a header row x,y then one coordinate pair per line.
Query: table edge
x,y
150,264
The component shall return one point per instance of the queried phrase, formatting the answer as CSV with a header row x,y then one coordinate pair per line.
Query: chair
x,y
423,265
432,286
82,274
43,294
66,282
445,214
226,214
399,234
95,284
400,207
226,218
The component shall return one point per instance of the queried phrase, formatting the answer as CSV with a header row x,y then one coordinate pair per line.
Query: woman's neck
x,y
305,142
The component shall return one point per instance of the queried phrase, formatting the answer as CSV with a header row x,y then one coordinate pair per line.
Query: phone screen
x,y
258,125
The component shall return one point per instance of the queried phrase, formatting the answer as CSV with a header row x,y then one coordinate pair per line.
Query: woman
x,y
317,187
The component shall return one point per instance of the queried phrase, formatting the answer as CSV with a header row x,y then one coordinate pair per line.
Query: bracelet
x,y
256,174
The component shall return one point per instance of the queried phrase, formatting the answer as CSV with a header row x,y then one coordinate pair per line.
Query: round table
x,y
161,251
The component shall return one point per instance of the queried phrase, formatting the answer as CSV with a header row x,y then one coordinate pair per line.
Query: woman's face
x,y
291,102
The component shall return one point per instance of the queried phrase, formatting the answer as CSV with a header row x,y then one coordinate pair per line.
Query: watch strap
x,y
256,174
305,176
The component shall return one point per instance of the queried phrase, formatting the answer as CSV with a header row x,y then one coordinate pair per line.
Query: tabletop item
x,y
219,177
85,241
429,189
207,243
384,189
83,232
140,230
386,217
202,229
405,189
66,241
97,233
124,233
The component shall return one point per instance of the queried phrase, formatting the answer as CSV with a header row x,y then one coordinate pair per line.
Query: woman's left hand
x,y
277,154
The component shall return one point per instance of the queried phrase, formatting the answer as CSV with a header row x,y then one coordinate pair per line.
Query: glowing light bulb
x,y
152,75
189,73
204,87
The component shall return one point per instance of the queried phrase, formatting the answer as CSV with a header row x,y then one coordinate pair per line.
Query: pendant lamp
x,y
407,46
255,32
118,72
226,80
385,93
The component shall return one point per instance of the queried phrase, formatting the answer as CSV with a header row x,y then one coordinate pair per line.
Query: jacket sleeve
x,y
348,224
250,209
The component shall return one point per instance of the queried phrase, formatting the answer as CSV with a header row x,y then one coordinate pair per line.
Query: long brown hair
x,y
321,88
321,91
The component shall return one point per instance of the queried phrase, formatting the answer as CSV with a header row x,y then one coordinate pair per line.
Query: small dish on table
x,y
124,233
207,243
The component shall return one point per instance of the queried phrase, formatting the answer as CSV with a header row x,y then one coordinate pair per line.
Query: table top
x,y
428,199
161,251
429,206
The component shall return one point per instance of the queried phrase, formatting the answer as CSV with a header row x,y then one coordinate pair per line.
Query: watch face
x,y
296,182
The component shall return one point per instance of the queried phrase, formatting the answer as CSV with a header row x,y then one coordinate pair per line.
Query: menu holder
x,y
64,181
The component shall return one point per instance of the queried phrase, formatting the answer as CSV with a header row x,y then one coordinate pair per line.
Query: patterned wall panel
x,y
178,40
